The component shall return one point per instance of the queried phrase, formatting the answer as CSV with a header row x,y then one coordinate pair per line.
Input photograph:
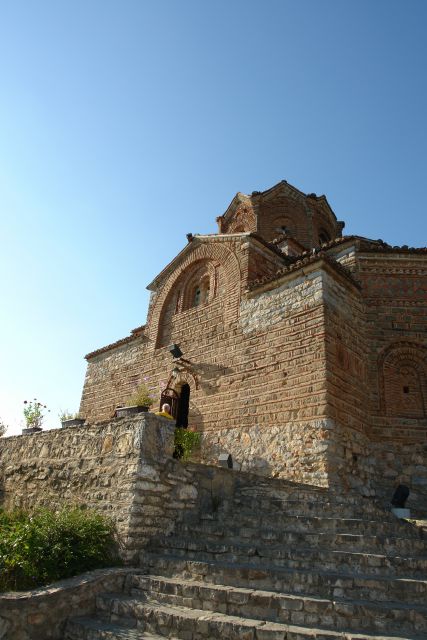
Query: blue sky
x,y
125,125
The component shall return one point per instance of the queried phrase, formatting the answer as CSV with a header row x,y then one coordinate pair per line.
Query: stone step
x,y
324,584
258,519
257,513
85,628
285,608
199,624
292,556
329,502
277,508
292,539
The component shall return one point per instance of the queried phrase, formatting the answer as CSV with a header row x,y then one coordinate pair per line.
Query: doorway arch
x,y
170,397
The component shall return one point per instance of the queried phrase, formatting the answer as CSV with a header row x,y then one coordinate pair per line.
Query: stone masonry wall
x,y
41,614
296,450
122,468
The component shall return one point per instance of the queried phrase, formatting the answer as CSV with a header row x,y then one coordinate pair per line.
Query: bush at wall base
x,y
43,546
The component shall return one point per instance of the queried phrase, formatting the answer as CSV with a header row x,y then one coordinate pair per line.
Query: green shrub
x,y
41,547
185,443
141,398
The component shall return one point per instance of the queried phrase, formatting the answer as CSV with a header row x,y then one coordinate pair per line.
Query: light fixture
x,y
175,351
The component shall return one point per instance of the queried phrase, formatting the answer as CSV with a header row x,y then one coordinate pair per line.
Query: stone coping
x,y
67,584
41,614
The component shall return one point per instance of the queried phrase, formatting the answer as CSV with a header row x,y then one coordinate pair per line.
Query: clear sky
x,y
126,124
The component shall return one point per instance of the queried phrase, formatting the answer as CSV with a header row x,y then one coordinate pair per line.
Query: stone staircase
x,y
275,560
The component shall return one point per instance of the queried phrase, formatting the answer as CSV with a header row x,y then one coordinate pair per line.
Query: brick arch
x,y
324,223
284,212
201,270
185,377
243,219
217,255
402,369
188,377
284,221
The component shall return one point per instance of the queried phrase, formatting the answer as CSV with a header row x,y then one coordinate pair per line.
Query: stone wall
x,y
392,464
122,468
41,614
296,451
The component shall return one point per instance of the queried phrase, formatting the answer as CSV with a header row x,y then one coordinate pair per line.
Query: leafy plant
x,y
66,415
141,398
3,428
34,413
44,546
186,441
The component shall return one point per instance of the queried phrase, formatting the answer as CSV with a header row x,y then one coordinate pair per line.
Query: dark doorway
x,y
183,407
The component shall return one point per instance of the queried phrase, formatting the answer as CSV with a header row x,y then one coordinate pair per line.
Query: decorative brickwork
x,y
304,350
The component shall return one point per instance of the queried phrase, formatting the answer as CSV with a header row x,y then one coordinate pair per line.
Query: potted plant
x,y
140,401
3,428
71,419
34,416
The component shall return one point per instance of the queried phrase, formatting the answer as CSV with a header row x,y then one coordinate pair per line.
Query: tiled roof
x,y
135,333
378,246
300,262
309,257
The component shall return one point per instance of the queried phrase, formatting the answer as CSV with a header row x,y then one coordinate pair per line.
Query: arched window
x,y
404,392
197,296
283,225
198,288
324,236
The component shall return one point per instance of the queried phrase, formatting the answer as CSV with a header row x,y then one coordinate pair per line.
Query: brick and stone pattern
x,y
284,342
216,552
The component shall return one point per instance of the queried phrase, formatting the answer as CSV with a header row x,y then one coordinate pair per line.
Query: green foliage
x,y
141,398
64,415
3,428
34,413
44,546
186,441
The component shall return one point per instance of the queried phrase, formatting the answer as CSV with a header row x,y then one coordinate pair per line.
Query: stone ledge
x,y
40,614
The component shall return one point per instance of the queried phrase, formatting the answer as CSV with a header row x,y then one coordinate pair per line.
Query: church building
x,y
302,351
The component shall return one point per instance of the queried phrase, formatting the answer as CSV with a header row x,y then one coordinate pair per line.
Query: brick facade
x,y
305,351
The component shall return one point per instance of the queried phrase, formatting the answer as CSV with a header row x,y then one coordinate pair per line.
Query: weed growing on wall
x,y
186,441
41,547
3,428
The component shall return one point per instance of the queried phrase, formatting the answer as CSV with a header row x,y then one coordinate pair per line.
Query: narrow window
x,y
197,297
